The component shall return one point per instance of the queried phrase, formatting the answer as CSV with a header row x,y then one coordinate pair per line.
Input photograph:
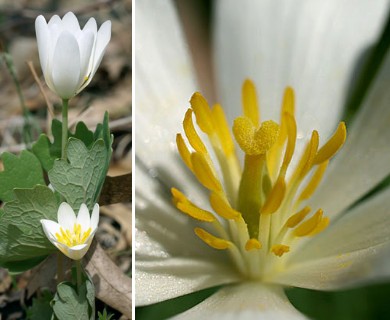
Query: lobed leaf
x,y
24,243
23,171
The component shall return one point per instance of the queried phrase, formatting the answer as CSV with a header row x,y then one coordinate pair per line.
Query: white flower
x,y
69,55
305,44
72,235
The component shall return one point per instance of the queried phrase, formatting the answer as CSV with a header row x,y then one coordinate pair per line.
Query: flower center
x,y
258,214
74,237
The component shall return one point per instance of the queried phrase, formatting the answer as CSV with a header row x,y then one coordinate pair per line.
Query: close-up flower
x,y
72,235
69,55
260,213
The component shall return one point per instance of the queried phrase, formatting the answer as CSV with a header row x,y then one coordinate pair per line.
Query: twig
x,y
38,81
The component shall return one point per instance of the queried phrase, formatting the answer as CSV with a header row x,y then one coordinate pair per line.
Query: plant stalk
x,y
64,128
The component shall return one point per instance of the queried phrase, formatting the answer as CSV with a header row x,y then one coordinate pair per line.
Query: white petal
x,y
163,230
95,217
76,252
66,216
50,228
86,42
66,65
167,250
43,41
333,272
83,217
159,280
102,39
343,254
70,23
305,44
165,84
246,301
91,25
365,159
54,20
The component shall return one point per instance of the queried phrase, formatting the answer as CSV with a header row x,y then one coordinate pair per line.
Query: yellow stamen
x,y
222,130
183,151
280,249
222,207
260,202
333,145
202,112
212,241
314,182
186,206
320,226
288,105
275,197
204,172
73,238
249,102
191,133
306,227
297,218
252,244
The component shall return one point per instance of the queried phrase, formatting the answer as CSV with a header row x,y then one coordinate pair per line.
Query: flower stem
x,y
78,274
64,127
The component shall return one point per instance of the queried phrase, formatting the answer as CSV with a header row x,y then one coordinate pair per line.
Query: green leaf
x,y
21,233
47,151
70,304
80,180
19,172
41,309
104,315
16,267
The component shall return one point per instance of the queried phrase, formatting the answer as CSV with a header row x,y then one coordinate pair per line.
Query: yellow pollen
x,y
74,237
280,249
252,244
257,209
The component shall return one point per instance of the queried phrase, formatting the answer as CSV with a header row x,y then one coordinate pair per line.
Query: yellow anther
x,y
314,181
186,206
255,141
329,149
289,101
183,151
212,241
306,161
73,238
280,249
275,197
204,172
202,112
222,130
291,138
252,244
222,207
85,235
250,103
298,217
191,133
308,226
320,227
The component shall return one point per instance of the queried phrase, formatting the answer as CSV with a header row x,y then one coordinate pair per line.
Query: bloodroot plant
x,y
39,216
